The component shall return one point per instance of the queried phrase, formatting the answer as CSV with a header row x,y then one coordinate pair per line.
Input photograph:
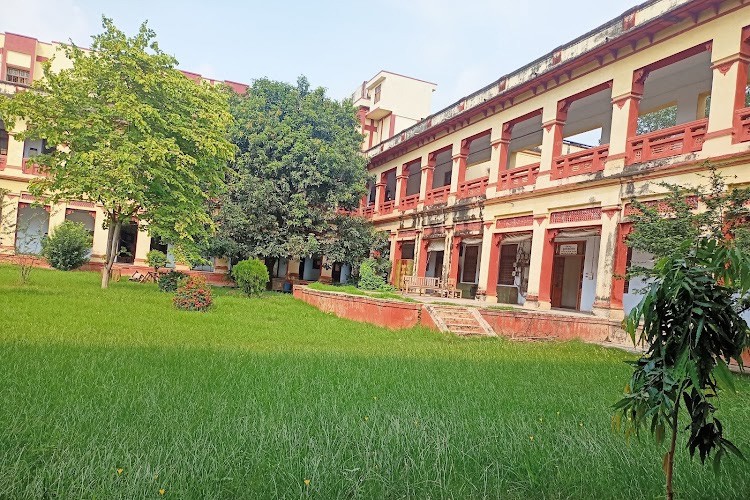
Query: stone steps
x,y
462,321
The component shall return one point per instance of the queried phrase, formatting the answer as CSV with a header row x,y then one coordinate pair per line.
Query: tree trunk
x,y
113,242
669,470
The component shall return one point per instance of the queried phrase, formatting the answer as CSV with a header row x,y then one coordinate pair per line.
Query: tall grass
x,y
257,396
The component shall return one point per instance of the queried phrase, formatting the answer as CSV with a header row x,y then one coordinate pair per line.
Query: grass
x,y
258,395
353,290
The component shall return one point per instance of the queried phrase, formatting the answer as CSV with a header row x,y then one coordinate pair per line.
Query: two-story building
x,y
27,222
521,191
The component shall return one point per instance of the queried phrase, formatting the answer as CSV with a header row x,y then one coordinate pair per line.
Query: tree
x,y
156,259
660,229
352,239
298,163
690,316
693,329
133,134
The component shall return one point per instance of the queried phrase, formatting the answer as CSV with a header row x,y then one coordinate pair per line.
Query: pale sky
x,y
460,45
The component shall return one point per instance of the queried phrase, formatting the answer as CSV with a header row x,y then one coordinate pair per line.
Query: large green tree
x,y
127,130
298,163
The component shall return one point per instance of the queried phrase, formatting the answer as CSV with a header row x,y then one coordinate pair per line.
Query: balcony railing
x,y
519,177
387,207
581,162
368,211
437,195
409,202
474,187
28,167
672,141
742,125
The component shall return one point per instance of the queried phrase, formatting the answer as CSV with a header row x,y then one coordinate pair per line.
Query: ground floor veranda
x,y
573,260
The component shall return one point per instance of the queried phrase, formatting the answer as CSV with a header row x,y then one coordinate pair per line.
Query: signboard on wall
x,y
568,249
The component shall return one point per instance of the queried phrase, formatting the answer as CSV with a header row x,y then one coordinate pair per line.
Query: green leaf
x,y
723,375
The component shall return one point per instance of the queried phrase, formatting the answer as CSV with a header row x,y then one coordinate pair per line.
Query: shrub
x,y
68,246
193,294
156,259
251,276
168,282
369,279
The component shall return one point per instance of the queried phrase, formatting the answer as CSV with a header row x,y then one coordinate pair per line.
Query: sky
x,y
459,45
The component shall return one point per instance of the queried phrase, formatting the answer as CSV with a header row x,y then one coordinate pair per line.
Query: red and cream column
x,y
500,148
455,253
380,193
490,268
428,169
402,177
626,99
422,252
729,62
396,252
605,269
552,137
540,265
620,265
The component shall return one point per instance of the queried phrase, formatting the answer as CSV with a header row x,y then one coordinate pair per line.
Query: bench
x,y
437,286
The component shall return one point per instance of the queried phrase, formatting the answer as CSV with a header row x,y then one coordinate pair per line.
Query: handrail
x,y
408,202
518,177
437,195
672,141
474,187
581,162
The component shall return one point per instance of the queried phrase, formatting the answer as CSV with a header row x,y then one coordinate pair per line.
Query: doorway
x,y
435,264
128,239
567,274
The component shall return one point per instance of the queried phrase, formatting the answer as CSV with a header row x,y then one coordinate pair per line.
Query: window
x,y
507,264
479,150
443,168
377,95
317,263
16,75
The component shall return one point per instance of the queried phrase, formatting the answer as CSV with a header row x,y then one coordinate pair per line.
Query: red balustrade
x,y
387,207
368,211
409,202
742,125
437,195
519,177
672,141
474,187
581,162
27,167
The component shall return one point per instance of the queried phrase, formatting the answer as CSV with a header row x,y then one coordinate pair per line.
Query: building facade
x,y
521,191
21,60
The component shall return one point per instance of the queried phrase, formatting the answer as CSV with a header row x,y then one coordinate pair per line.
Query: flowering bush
x,y
193,294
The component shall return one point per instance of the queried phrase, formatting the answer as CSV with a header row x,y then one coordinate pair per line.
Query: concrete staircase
x,y
459,320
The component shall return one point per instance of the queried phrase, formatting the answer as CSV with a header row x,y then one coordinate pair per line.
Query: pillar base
x,y
544,305
607,311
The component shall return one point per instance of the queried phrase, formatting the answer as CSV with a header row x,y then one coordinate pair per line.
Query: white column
x,y
142,246
605,263
535,260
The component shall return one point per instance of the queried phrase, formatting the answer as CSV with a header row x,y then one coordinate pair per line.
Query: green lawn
x,y
256,396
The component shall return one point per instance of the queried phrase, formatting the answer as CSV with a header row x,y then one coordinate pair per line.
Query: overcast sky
x,y
461,45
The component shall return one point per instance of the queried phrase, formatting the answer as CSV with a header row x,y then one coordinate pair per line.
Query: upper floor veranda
x,y
664,84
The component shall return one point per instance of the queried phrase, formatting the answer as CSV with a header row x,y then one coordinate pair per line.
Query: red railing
x,y
474,187
672,141
3,161
387,207
741,130
368,211
519,177
437,195
581,162
409,202
27,167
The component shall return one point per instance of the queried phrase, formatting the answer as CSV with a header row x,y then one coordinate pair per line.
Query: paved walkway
x,y
427,299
